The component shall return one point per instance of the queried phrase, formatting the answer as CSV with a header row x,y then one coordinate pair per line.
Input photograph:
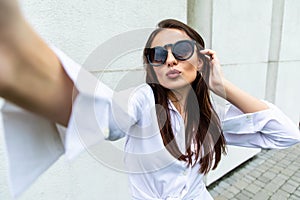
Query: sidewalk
x,y
270,175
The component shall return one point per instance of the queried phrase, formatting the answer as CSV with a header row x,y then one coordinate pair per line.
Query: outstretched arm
x,y
31,75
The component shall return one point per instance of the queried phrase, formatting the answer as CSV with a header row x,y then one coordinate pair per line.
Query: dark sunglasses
x,y
181,50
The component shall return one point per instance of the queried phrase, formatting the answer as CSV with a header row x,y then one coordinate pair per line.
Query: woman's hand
x,y
216,79
225,89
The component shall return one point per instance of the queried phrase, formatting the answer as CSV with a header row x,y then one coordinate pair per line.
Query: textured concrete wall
x,y
257,43
240,33
247,36
288,81
78,28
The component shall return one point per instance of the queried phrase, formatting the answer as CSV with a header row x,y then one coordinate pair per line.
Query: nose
x,y
171,60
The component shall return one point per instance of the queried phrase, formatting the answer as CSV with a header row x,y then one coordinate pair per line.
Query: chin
x,y
176,86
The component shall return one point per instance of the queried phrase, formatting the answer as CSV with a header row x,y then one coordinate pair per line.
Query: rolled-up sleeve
x,y
97,114
269,128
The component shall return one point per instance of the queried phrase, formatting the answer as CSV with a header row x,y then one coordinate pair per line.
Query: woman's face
x,y
175,74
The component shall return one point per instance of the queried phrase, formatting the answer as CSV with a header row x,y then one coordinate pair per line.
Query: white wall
x,y
78,28
257,43
239,32
288,84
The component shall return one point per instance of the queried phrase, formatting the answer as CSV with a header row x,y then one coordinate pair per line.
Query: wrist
x,y
221,88
230,90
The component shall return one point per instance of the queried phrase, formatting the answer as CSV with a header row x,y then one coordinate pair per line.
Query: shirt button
x,y
185,172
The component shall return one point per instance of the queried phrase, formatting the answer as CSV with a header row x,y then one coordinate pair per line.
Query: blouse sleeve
x,y
269,128
97,113
33,143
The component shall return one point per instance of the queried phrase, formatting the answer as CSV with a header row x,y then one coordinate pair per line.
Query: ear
x,y
200,65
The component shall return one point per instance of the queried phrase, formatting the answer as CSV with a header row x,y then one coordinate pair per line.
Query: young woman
x,y
174,135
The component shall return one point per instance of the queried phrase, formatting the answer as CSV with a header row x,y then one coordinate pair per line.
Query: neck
x,y
179,98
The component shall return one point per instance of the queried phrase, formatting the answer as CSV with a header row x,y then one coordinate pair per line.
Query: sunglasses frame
x,y
191,42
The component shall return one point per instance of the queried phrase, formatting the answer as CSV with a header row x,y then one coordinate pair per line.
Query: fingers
x,y
212,55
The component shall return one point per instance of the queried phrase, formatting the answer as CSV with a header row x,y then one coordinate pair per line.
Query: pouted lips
x,y
173,73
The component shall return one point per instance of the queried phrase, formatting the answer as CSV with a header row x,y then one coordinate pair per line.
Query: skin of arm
x,y
31,75
225,89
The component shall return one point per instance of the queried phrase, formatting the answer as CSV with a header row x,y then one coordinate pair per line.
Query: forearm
x,y
242,100
32,76
225,89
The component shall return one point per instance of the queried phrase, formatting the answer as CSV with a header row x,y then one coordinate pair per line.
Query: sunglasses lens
x,y
157,56
183,50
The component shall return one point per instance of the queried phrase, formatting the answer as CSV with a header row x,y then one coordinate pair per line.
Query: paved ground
x,y
270,175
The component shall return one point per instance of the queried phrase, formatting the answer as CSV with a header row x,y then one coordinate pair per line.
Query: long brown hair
x,y
203,127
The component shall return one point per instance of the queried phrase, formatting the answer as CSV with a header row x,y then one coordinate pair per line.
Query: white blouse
x,y
99,114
